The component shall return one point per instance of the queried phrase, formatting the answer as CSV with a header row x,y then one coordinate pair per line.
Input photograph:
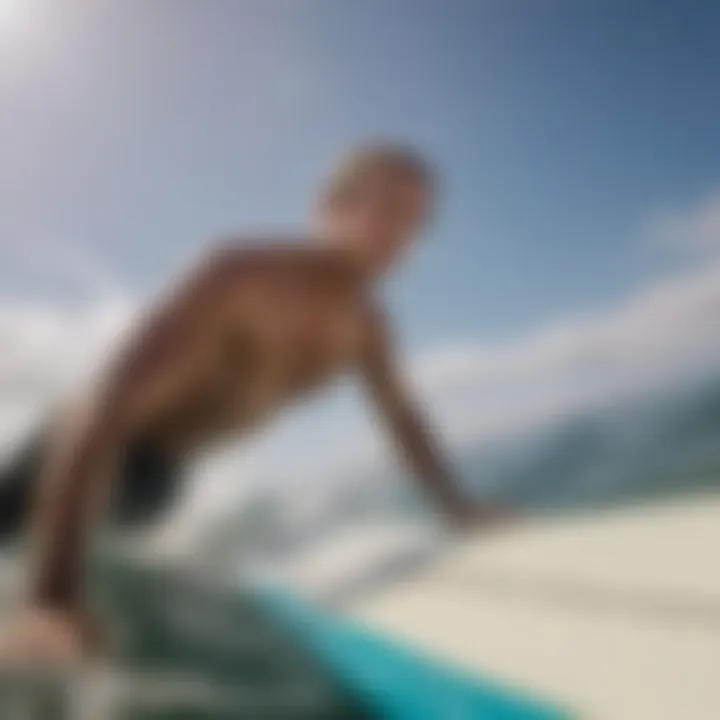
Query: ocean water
x,y
188,649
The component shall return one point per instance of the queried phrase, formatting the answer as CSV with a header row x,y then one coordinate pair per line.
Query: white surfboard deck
x,y
615,615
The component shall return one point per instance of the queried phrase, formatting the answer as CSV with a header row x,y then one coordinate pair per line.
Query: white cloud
x,y
665,334
47,348
693,229
47,351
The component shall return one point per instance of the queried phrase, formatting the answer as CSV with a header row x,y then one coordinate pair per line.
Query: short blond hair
x,y
376,161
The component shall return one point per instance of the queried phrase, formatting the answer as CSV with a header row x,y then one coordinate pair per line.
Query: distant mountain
x,y
668,444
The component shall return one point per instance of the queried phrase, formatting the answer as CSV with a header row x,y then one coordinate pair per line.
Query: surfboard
x,y
609,615
612,615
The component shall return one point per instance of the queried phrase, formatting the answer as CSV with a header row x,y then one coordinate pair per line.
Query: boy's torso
x,y
292,320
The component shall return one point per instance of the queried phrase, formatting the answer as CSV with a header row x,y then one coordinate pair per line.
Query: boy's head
x,y
375,202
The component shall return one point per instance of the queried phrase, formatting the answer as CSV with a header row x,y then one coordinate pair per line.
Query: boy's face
x,y
379,220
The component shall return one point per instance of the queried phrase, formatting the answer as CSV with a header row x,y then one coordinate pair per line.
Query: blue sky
x,y
133,133
141,130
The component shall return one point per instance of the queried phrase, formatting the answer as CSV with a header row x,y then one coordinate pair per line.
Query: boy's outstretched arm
x,y
409,428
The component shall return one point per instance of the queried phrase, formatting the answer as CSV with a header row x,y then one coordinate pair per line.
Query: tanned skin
x,y
249,331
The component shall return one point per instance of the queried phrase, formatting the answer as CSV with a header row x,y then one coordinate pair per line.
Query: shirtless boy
x,y
254,327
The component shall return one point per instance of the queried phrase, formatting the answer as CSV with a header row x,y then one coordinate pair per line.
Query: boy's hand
x,y
41,636
469,517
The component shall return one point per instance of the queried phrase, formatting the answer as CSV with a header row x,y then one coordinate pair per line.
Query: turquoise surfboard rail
x,y
397,682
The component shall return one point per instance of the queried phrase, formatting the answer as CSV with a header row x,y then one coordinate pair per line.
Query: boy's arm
x,y
407,425
166,352
78,473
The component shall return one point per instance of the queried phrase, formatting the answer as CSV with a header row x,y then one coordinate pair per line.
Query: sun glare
x,y
9,11
8,8
13,20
